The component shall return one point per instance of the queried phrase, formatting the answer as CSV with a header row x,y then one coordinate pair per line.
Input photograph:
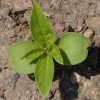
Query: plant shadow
x,y
90,67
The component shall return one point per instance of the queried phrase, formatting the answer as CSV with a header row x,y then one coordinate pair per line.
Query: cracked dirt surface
x,y
66,15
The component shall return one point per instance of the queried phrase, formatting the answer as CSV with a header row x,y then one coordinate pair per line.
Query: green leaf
x,y
15,56
73,47
40,26
34,54
44,74
55,53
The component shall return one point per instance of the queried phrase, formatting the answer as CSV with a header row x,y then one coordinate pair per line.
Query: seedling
x,y
37,56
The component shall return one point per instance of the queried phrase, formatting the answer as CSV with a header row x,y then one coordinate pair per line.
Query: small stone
x,y
28,37
79,28
46,14
75,78
87,84
54,3
27,15
88,33
2,92
59,27
33,98
97,40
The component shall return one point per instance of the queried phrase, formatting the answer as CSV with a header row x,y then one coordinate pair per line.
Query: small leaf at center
x,y
55,53
34,54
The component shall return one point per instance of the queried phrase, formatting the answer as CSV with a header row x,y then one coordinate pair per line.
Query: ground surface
x,y
81,82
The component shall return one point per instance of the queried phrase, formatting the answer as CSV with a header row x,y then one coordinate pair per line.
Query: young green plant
x,y
37,56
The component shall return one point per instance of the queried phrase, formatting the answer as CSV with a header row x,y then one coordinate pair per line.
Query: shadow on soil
x,y
88,68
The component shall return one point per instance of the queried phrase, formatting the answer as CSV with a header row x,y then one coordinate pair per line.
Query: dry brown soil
x,y
79,82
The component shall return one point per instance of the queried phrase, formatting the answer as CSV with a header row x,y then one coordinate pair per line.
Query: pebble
x,y
47,14
2,92
33,98
88,33
56,3
27,15
75,78
59,27
79,28
97,40
28,37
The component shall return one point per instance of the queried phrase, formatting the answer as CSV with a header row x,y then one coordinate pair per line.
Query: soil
x,y
79,82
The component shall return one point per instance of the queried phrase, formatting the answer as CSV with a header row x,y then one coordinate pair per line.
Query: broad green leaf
x,y
40,26
55,53
34,54
44,74
73,47
15,56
